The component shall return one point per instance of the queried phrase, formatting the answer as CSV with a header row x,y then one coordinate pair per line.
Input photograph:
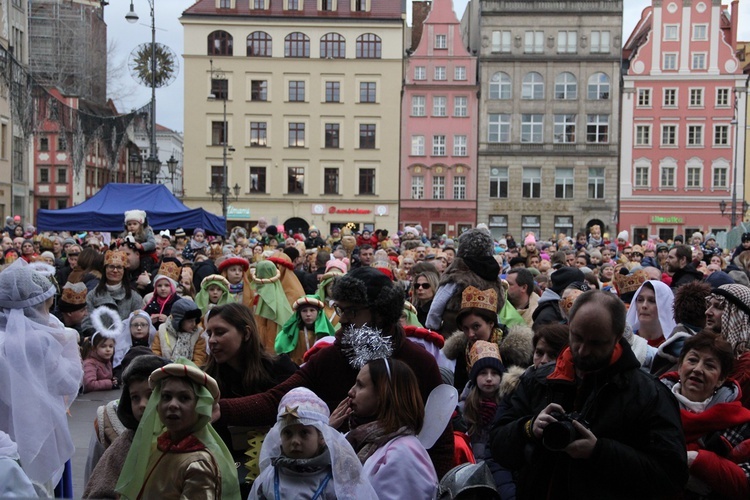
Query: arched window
x,y
368,46
332,46
259,44
566,86
533,86
598,86
500,86
297,45
220,44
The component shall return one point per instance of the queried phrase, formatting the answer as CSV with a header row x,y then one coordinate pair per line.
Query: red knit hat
x,y
234,261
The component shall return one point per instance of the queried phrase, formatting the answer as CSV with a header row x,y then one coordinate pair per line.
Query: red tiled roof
x,y
380,9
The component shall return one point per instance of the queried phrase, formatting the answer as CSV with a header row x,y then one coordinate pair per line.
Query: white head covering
x,y
664,307
123,342
40,370
348,479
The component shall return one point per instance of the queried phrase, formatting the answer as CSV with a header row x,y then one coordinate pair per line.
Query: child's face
x,y
214,294
133,226
106,349
163,289
188,325
234,274
582,240
199,237
301,441
176,407
138,328
308,315
596,232
488,381
139,394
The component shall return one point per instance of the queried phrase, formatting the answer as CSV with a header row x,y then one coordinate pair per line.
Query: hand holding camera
x,y
561,431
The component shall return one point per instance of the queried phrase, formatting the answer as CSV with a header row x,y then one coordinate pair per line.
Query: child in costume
x,y
97,352
303,457
180,335
214,292
234,269
334,267
176,453
137,330
304,328
271,307
158,305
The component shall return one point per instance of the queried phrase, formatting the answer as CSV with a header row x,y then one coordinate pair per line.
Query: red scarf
x,y
719,417
566,370
188,444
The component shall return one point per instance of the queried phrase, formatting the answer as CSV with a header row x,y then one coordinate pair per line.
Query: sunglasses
x,y
417,286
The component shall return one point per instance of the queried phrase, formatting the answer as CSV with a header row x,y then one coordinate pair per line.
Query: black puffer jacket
x,y
686,275
640,450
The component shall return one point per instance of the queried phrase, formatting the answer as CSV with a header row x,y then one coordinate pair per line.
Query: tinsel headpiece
x,y
364,344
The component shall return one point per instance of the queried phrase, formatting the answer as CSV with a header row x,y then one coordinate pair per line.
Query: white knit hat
x,y
623,235
137,215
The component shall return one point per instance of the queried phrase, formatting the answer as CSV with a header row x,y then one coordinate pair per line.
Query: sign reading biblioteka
x,y
659,219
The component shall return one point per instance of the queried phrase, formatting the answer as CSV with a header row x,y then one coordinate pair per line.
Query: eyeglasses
x,y
138,325
417,286
349,312
115,268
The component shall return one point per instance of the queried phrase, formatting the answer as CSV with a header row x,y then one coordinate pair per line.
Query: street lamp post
x,y
223,189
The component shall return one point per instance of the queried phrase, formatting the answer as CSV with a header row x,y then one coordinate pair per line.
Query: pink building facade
x,y
439,129
683,121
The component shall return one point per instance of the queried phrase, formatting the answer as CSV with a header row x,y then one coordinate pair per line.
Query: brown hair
x,y
252,354
399,400
472,408
88,345
555,335
706,340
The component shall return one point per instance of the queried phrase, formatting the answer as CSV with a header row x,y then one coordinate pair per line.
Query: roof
x,y
380,9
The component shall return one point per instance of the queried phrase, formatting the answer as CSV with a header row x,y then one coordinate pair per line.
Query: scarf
x,y
114,288
304,465
367,438
686,404
184,346
487,410
235,289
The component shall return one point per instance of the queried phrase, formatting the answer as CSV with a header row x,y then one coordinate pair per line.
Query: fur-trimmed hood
x,y
510,380
516,348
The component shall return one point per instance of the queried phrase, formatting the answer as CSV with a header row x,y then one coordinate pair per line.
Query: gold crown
x,y
171,270
115,258
483,349
73,294
480,299
630,282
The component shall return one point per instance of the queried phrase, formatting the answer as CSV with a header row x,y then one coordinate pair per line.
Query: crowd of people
x,y
273,364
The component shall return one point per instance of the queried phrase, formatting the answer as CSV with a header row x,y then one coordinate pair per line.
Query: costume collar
x,y
188,444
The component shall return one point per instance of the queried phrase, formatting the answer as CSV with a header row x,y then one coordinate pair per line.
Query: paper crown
x,y
115,258
73,297
630,282
483,349
473,297
170,269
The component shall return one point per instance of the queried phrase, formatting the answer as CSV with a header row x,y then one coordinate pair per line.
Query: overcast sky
x,y
124,38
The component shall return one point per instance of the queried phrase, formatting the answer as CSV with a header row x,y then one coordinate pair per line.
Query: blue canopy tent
x,y
105,211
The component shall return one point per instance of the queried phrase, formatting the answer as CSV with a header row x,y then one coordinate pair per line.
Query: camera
x,y
557,435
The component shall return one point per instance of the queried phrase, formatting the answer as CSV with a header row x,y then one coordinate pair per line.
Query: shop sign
x,y
359,211
660,219
237,213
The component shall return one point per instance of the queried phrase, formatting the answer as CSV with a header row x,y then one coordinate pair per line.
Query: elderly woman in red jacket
x,y
716,425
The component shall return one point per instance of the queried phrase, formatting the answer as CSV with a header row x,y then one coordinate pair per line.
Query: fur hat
x,y
370,287
484,355
563,277
475,243
517,348
136,215
73,297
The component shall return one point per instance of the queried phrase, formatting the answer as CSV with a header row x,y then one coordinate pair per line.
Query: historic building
x,y
684,117
439,128
548,113
294,106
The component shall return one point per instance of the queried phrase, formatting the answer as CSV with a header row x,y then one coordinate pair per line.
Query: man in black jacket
x,y
630,444
680,265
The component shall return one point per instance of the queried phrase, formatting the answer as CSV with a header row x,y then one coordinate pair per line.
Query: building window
x,y
440,73
296,91
438,145
498,128
565,129
62,144
533,42
533,86
259,90
259,4
670,98
567,42
644,98
564,178
62,203
720,178
220,44
258,134
596,183
367,136
700,32
564,224
532,126
331,181
498,182
600,42
696,98
671,32
417,145
670,62
722,98
420,73
296,135
43,144
669,135
643,135
218,133
500,86
642,177
459,187
695,135
259,44
333,91
217,176
44,175
297,45
461,106
597,129
721,135
693,178
566,86
328,5
366,181
292,4
532,182
459,73
418,105
501,41
257,179
667,180
598,88
417,187
439,105
441,41
699,60
368,46
332,135
44,203
295,180
530,224
220,88
438,187
360,6
498,226
332,46
460,145
367,92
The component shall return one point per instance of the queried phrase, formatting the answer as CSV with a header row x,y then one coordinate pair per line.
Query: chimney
x,y
419,12
735,22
